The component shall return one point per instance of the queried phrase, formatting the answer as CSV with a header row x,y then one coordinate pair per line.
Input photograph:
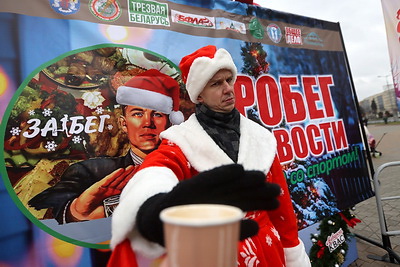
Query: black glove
x,y
228,185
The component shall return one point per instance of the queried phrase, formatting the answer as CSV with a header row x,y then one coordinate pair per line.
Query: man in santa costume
x,y
216,156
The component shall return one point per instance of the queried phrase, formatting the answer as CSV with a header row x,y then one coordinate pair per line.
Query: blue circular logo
x,y
274,33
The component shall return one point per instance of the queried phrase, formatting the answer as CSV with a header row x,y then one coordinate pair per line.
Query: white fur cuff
x,y
297,256
143,185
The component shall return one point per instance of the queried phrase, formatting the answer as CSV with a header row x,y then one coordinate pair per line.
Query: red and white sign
x,y
192,19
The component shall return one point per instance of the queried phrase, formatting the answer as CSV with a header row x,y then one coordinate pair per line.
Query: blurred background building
x,y
381,105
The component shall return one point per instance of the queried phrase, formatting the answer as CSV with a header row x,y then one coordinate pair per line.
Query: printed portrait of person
x,y
90,189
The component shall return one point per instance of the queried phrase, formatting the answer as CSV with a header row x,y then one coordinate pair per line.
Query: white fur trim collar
x,y
257,147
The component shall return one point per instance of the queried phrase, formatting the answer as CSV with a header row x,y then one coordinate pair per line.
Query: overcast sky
x,y
364,34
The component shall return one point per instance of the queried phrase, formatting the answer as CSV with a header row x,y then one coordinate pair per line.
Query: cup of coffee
x,y
201,235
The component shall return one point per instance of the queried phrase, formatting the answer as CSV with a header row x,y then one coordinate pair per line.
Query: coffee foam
x,y
201,215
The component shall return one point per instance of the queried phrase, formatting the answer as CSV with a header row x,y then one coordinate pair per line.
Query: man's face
x,y
218,94
143,127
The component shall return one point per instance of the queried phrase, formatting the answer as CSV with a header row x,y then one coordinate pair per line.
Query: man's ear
x,y
200,99
122,123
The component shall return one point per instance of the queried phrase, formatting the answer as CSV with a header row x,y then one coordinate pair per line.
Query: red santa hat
x,y
200,66
153,90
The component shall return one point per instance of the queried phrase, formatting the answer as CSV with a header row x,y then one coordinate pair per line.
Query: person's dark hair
x,y
123,107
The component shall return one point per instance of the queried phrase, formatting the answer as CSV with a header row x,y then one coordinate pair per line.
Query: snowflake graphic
x,y
99,110
15,131
110,127
76,139
248,254
275,232
51,146
31,112
47,112
268,240
252,214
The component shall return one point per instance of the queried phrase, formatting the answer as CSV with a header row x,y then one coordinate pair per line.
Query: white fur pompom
x,y
176,117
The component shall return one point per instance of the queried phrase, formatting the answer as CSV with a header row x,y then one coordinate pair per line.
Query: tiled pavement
x,y
367,212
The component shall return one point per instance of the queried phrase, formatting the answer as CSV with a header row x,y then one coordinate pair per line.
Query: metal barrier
x,y
391,256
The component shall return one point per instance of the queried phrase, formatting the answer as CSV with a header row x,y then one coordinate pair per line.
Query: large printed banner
x,y
391,13
65,138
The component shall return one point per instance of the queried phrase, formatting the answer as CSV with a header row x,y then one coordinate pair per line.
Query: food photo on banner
x,y
71,139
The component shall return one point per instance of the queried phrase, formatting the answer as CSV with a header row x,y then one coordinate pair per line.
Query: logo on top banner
x,y
231,25
148,12
256,29
192,19
293,36
313,39
274,33
65,7
107,10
